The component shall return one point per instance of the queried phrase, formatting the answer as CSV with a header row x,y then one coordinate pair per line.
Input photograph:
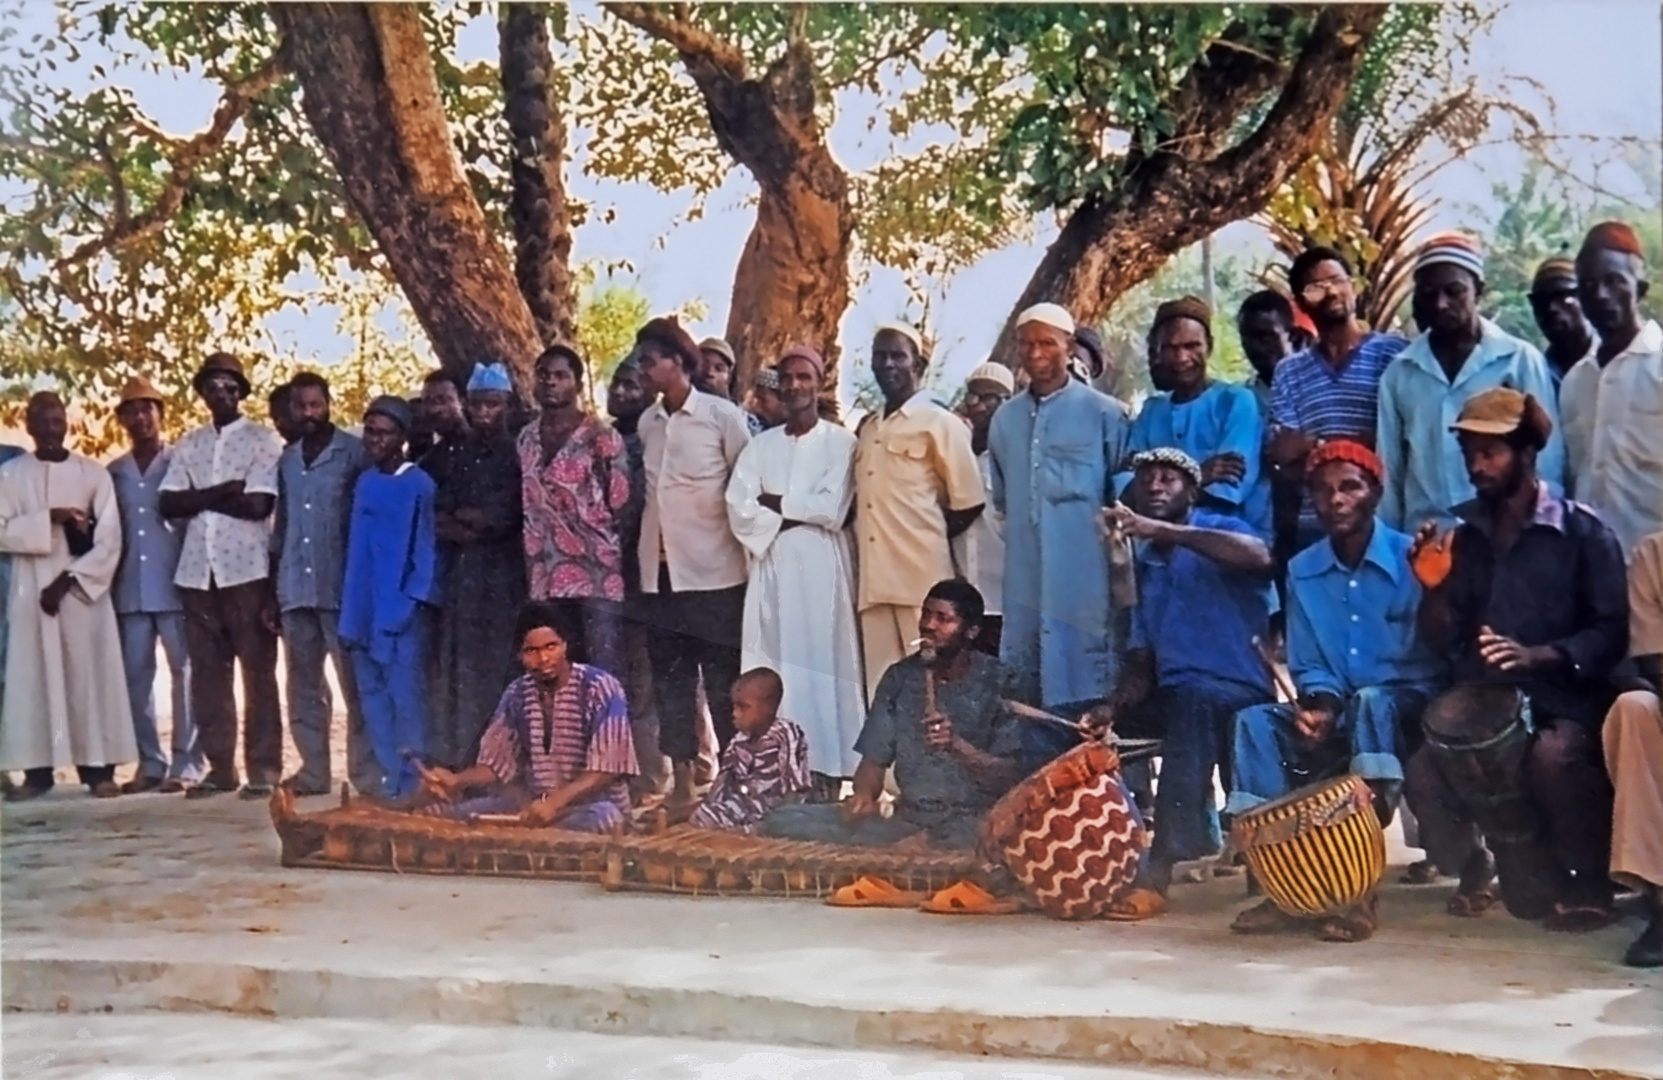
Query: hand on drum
x,y
1096,723
1505,654
858,806
1313,725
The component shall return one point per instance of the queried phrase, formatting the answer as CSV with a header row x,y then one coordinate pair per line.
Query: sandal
x,y
1345,928
1580,918
968,898
1470,905
1136,906
873,892
1266,918
1424,872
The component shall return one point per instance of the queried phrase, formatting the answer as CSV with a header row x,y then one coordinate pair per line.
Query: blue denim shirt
x,y
314,503
1225,418
1349,629
149,542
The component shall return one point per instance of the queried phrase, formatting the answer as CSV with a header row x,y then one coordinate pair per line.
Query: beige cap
x,y
998,374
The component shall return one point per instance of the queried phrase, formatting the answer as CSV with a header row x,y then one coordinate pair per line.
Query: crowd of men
x,y
537,615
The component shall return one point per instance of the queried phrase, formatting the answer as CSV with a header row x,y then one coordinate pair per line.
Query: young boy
x,y
389,578
765,766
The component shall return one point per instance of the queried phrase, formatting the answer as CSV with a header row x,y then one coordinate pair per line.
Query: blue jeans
x,y
1271,760
1195,741
392,691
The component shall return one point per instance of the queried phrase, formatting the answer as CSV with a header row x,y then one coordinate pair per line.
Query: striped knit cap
x,y
1455,248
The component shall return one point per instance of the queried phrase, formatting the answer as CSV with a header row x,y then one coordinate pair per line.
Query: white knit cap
x,y
905,331
1050,314
994,373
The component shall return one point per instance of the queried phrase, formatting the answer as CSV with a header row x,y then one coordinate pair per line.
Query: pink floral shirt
x,y
572,549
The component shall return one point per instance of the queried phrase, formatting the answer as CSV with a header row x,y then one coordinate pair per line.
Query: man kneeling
x,y
558,750
938,718
1362,674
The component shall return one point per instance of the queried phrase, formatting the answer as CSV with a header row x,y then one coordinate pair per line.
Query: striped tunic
x,y
757,775
540,740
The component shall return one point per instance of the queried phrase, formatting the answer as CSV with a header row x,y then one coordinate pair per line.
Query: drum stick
x,y
1028,712
1279,680
1129,749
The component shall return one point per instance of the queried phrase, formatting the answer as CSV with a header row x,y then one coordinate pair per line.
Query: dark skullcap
x,y
1185,307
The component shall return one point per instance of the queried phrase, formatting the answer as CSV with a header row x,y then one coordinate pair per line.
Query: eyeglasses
x,y
1316,290
993,397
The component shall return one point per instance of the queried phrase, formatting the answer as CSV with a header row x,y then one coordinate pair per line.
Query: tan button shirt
x,y
689,457
1614,436
1645,597
218,548
910,468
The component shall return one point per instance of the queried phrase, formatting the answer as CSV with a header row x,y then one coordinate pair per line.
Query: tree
x,y
1154,127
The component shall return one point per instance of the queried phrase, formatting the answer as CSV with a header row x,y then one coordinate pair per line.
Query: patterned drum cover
x,y
1069,834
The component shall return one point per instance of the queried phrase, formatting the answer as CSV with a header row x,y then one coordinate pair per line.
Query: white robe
x,y
800,605
66,693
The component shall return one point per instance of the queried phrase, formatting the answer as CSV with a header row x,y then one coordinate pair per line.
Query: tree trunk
x,y
371,97
542,222
792,284
1168,202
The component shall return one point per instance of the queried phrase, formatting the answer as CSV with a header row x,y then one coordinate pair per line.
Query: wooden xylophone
x,y
365,838
697,861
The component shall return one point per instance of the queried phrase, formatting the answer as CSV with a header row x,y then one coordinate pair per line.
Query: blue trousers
x,y
140,631
1197,719
1271,760
392,692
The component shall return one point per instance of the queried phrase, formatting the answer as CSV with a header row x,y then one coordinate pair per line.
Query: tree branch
x,y
697,46
233,105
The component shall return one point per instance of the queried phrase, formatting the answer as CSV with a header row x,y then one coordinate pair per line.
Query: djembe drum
x,y
1478,737
1317,851
1069,834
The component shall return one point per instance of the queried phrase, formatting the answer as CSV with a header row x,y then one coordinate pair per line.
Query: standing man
x,y
66,700
1265,324
147,604
692,566
1190,665
478,521
575,485
1558,312
222,481
1531,594
765,410
1459,356
716,373
389,581
7,453
1215,423
1633,738
442,410
982,545
626,400
789,497
916,486
1613,400
308,551
279,406
1362,674
1055,449
1328,390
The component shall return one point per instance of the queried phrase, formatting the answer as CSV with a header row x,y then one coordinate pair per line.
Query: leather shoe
x,y
25,792
106,789
173,786
1647,950
209,788
254,792
138,785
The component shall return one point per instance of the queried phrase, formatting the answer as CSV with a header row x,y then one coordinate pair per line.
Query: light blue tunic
x,y
1054,463
1222,419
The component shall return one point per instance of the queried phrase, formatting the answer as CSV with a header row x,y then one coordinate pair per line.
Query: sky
x,y
1599,61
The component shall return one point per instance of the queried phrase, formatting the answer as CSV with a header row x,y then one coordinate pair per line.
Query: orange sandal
x,y
1136,906
872,892
968,898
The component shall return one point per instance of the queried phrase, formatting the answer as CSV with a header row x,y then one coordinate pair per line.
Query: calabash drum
x,y
1318,850
1069,834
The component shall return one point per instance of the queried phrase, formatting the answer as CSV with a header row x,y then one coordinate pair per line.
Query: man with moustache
x,y
315,479
1529,594
1362,674
147,605
66,700
1558,314
1612,401
1055,448
787,502
1458,356
916,487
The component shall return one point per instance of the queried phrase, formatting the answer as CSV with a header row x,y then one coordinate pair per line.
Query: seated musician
x,y
766,764
558,750
1634,755
1362,674
951,764
1192,664
1529,592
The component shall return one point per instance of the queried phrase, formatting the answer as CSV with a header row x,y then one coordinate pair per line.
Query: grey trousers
x,y
139,633
309,636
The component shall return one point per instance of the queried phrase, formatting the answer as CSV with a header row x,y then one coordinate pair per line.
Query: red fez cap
x,y
1354,453
1613,236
